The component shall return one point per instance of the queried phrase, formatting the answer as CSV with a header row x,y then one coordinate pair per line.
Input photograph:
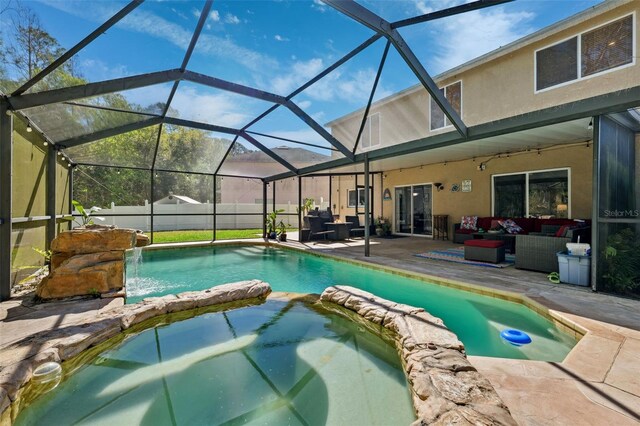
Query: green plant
x,y
94,292
87,214
621,262
282,228
307,205
44,253
271,221
384,224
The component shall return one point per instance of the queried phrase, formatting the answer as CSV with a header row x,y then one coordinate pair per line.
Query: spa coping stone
x,y
445,388
17,361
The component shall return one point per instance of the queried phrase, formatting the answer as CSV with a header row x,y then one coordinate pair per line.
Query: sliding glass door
x,y
414,215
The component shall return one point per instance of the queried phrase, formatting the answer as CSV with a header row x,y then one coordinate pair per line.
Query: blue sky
x,y
279,45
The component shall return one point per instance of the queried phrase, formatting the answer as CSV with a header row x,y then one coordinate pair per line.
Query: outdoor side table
x,y
340,230
441,226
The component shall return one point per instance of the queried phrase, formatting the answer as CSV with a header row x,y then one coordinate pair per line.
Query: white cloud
x,y
278,37
214,15
160,28
463,37
301,72
180,14
421,7
309,136
304,104
99,70
221,109
231,19
319,6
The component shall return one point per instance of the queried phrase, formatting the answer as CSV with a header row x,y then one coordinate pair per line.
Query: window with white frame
x,y
543,193
453,94
357,196
371,132
600,49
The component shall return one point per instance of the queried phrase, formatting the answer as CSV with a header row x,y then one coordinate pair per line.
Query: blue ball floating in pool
x,y
515,337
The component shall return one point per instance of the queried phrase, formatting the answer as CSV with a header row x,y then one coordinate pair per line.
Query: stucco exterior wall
x,y
478,202
340,196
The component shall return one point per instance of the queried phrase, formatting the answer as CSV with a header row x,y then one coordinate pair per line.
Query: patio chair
x,y
355,230
316,229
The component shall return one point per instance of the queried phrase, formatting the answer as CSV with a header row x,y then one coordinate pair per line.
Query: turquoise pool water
x,y
476,319
280,363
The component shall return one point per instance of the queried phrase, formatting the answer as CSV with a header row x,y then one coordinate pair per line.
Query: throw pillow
x,y
469,222
495,224
510,226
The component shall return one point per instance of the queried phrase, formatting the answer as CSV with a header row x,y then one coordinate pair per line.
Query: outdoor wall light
x,y
29,129
439,186
590,126
481,167
45,143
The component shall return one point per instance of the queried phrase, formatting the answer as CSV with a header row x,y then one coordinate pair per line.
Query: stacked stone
x,y
88,261
446,388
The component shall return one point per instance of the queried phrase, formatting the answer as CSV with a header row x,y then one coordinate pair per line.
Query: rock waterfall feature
x,y
89,261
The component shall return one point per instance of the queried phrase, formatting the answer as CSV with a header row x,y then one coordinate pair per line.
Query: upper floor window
x,y
607,47
453,93
371,132
603,48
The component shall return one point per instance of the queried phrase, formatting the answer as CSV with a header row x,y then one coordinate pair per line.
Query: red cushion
x,y
485,222
526,223
465,231
560,232
484,243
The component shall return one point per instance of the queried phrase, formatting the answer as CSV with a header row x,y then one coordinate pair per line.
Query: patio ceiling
x,y
566,133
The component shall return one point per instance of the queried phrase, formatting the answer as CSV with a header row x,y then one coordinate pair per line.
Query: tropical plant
x,y
621,262
282,231
272,221
307,205
87,217
282,228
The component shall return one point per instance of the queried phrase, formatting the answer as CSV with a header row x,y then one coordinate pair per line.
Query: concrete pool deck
x,y
598,382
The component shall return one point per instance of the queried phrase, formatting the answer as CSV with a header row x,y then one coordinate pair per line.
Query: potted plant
x,y
282,231
383,226
272,223
307,205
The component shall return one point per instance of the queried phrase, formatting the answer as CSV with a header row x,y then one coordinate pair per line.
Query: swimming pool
x,y
476,319
282,362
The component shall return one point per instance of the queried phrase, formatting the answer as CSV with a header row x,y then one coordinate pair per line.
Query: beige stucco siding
x,y
498,88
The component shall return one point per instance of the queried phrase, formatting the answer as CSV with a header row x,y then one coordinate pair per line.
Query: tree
x,y
32,49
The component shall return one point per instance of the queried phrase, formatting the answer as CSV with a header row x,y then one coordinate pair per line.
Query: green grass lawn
x,y
204,235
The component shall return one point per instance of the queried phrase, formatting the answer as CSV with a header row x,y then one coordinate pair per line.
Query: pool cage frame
x,y
20,100
12,105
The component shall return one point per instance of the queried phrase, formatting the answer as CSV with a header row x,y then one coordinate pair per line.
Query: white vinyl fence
x,y
179,219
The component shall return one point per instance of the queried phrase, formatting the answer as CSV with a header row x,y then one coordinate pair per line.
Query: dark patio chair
x,y
316,229
355,230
